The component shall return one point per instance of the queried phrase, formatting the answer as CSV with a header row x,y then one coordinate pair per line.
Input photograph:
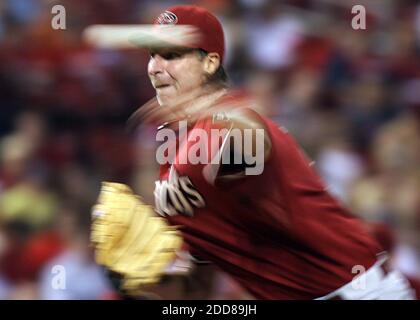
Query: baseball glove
x,y
129,239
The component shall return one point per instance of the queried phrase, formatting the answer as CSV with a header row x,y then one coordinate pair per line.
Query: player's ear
x,y
211,63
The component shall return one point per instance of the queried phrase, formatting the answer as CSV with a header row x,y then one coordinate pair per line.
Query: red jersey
x,y
279,234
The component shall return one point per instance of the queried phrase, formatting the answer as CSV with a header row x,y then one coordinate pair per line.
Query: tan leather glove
x,y
129,239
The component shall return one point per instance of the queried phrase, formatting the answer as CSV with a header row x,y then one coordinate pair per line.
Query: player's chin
x,y
166,95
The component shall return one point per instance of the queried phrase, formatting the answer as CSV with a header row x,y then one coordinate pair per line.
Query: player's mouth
x,y
162,86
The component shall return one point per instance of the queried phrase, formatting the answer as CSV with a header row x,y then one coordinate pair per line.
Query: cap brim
x,y
141,36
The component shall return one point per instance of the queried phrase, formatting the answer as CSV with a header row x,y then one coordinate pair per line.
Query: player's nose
x,y
156,65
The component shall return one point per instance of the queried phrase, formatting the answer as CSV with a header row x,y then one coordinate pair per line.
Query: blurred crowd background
x,y
350,97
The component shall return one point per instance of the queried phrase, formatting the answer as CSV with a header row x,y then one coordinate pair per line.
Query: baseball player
x,y
270,224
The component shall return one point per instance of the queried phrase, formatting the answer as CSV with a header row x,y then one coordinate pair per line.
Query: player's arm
x,y
247,145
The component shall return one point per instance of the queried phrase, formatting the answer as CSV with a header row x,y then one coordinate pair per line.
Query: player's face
x,y
174,72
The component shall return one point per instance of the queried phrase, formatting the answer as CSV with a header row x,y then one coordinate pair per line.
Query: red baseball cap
x,y
211,38
179,26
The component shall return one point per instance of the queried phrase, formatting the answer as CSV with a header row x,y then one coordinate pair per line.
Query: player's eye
x,y
171,55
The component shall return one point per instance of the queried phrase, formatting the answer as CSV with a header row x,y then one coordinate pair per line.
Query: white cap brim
x,y
143,36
